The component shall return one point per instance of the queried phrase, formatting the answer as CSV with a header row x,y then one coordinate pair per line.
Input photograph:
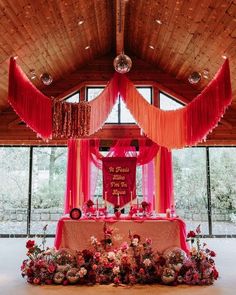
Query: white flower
x,y
194,251
135,241
147,262
93,240
111,255
82,272
116,270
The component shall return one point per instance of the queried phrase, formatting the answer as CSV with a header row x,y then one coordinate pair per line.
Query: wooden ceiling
x,y
76,41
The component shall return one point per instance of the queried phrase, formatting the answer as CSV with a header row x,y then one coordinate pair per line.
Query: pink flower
x,y
94,267
116,281
51,268
124,246
36,281
30,244
149,241
142,271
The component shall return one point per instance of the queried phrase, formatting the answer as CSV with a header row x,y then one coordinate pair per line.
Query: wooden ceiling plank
x,y
120,25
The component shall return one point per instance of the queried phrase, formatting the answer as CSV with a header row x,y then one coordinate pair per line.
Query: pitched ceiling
x,y
63,36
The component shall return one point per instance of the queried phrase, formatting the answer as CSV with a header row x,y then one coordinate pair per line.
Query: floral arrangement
x,y
132,262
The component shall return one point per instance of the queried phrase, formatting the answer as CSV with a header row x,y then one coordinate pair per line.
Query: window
x,y
48,187
190,187
74,98
168,103
223,190
14,186
120,113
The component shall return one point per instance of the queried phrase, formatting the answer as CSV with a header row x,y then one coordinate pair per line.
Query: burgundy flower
x,y
191,234
48,282
30,244
36,281
215,274
145,205
212,254
89,203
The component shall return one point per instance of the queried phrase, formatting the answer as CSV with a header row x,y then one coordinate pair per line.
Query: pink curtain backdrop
x,y
34,108
188,125
71,180
164,190
88,160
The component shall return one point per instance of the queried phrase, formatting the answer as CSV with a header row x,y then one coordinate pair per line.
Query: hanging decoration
x,y
122,63
71,120
186,126
172,129
34,108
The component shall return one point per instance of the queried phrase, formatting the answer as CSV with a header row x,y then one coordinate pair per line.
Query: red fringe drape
x,y
34,108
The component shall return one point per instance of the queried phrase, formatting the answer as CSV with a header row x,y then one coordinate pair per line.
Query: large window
x,y
48,187
223,190
168,103
14,184
190,186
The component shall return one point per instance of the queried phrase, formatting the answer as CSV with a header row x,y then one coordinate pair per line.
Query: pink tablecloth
x,y
165,233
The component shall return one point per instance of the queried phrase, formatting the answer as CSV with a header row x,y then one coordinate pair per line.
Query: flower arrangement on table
x,y
144,209
132,262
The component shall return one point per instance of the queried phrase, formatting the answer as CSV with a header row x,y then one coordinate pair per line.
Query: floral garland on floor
x,y
132,263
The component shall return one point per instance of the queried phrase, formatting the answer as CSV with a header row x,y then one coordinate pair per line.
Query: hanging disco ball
x,y
194,78
46,79
122,63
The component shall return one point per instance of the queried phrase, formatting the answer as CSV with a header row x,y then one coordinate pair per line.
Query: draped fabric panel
x,y
71,179
34,108
164,190
102,105
188,125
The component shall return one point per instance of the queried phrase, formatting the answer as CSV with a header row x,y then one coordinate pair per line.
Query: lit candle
x,y
105,204
70,200
118,200
168,213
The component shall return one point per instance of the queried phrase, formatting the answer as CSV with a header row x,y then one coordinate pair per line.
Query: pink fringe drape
x,y
34,108
186,126
102,105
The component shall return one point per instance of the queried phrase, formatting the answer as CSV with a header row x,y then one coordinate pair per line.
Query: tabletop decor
x,y
134,261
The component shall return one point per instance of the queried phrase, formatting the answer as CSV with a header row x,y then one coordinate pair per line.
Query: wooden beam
x,y
120,25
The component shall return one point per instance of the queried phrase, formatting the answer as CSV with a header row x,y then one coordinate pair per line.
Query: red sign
x,y
119,180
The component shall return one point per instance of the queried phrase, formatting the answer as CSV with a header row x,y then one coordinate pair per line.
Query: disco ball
x,y
122,63
194,78
46,78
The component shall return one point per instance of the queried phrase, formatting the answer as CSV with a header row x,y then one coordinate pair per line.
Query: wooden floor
x,y
12,252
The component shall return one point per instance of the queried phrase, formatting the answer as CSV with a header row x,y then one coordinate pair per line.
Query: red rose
x,y
51,268
65,282
36,281
89,203
191,234
212,254
215,274
30,244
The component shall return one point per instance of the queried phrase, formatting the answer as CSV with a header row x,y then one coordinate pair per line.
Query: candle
x,y
168,213
105,204
70,199
97,204
118,200
131,198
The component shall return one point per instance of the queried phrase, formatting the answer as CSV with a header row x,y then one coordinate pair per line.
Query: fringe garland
x,y
71,120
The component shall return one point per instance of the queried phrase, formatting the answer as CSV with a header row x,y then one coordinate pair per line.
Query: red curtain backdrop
x,y
119,179
71,180
188,125
34,108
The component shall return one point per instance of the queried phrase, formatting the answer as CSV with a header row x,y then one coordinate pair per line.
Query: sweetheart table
x,y
164,232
